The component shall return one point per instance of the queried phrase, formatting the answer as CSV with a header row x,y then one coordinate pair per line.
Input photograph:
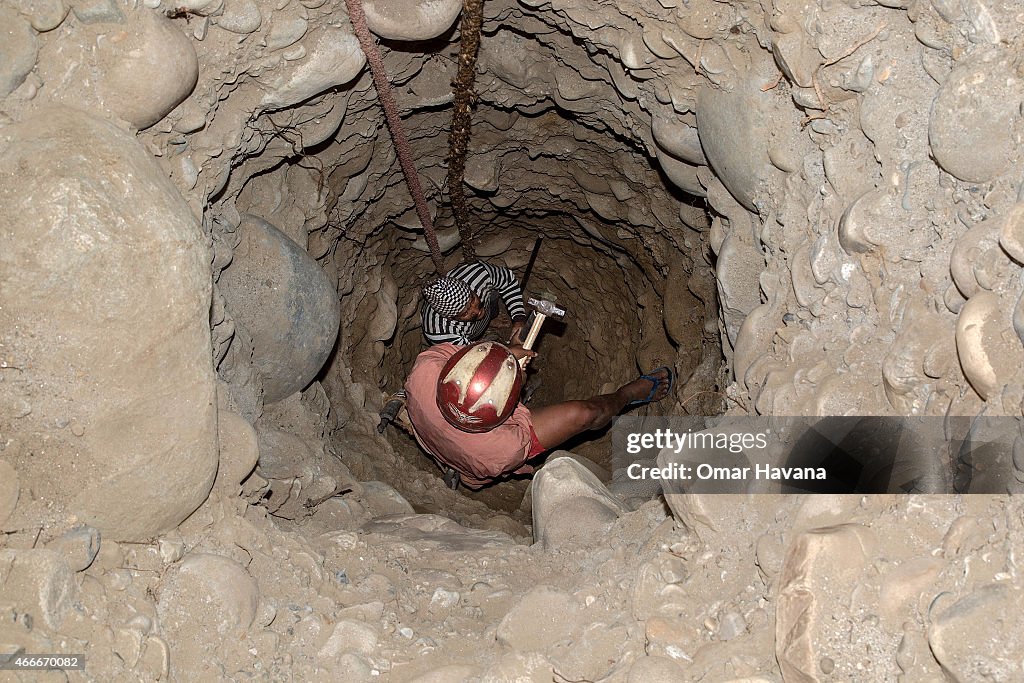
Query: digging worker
x,y
463,403
458,307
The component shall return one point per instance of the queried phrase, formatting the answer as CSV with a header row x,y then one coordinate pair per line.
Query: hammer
x,y
542,309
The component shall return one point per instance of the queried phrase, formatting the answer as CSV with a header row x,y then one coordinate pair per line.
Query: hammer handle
x,y
531,336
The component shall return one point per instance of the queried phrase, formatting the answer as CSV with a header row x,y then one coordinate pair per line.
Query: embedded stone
x,y
44,15
990,352
333,57
349,636
736,128
682,174
78,547
411,20
147,69
678,139
822,569
240,16
971,129
239,450
541,619
211,589
981,633
40,583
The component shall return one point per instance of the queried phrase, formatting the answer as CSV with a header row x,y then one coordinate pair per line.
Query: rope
x,y
387,101
458,138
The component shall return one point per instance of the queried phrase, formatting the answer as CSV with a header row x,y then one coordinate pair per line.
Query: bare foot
x,y
638,389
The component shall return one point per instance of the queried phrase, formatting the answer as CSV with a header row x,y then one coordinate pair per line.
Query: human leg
x,y
559,422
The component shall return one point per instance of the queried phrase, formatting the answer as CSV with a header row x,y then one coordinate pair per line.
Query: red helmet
x,y
479,387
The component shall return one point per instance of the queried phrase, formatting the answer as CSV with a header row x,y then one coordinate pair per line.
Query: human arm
x,y
516,335
504,280
520,353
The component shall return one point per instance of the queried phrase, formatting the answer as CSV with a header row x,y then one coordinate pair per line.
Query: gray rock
x,y
210,589
678,139
78,547
732,624
821,571
542,618
333,58
570,504
682,174
39,583
284,300
971,127
283,455
149,73
97,12
735,129
240,16
239,451
444,599
382,499
980,636
286,31
411,20
349,637
44,15
18,50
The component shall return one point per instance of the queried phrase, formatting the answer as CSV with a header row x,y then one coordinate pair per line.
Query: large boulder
x,y
284,300
105,284
570,504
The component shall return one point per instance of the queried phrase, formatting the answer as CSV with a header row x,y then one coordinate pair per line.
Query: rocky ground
x,y
362,588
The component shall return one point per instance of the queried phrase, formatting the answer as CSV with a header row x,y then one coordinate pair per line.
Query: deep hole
x,y
594,350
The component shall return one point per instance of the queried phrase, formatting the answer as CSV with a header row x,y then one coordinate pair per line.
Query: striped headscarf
x,y
447,295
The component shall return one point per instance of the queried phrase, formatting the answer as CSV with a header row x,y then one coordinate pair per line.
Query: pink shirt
x,y
478,457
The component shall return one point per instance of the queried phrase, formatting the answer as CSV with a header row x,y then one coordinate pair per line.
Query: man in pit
x,y
463,403
458,307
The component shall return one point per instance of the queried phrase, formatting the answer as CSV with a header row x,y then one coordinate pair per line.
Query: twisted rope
x,y
387,101
458,137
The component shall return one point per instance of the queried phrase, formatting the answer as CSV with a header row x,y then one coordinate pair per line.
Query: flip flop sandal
x,y
657,383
